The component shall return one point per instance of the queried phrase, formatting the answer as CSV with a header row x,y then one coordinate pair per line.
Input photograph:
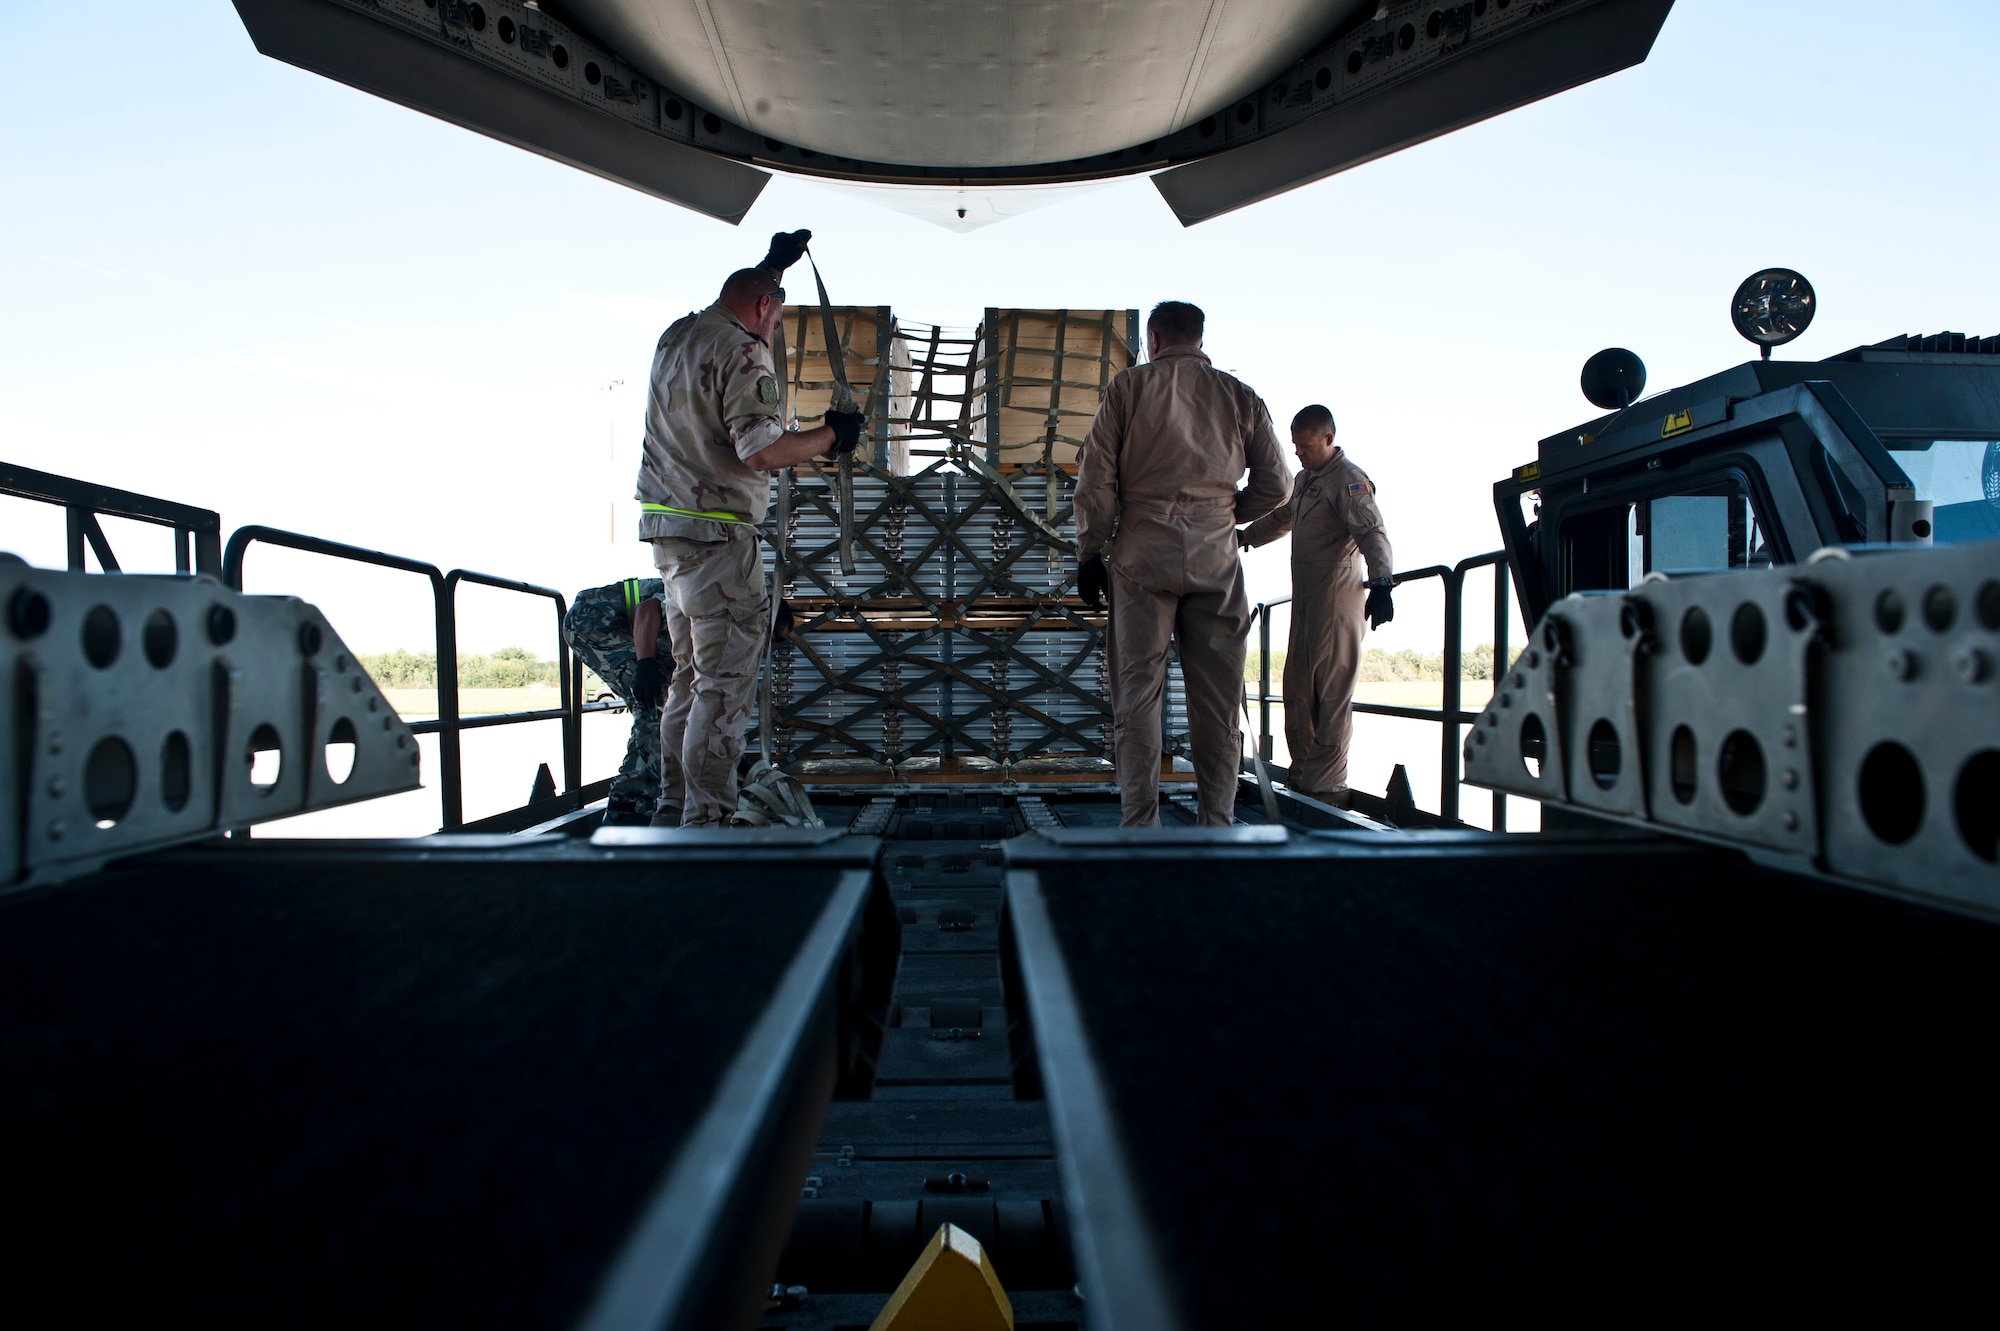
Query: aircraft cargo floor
x,y
1253,1076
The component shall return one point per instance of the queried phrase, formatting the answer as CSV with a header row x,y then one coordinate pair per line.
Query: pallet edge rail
x,y
1115,1255
666,1274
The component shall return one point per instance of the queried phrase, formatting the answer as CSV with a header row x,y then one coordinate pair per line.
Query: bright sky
x,y
236,284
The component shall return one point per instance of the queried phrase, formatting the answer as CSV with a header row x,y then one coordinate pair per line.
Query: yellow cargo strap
x,y
693,513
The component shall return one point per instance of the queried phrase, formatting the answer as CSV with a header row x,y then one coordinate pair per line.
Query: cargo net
x,y
957,643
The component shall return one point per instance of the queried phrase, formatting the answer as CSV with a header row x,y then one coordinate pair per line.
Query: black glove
x,y
785,623
646,682
786,249
846,430
1380,608
1092,582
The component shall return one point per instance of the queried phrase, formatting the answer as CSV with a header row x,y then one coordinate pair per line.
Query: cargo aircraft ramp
x,y
1709,1039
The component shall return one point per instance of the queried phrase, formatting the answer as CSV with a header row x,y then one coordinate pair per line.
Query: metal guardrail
x,y
571,688
197,531
1449,716
449,725
198,549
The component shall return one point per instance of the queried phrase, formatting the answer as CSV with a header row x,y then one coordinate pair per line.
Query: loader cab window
x,y
1698,532
1698,528
1961,478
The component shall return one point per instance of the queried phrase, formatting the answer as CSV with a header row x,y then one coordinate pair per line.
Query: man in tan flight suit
x,y
713,436
1158,472
1336,530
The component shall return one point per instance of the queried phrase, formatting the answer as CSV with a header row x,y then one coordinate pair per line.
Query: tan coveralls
x,y
1159,468
713,401
1335,529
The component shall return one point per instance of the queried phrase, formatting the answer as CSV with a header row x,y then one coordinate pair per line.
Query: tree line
x,y
1380,666
519,668
508,668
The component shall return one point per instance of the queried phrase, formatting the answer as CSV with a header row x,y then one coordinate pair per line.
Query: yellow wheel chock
x,y
952,1287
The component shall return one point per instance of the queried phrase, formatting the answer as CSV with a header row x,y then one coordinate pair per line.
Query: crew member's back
x,y
1156,483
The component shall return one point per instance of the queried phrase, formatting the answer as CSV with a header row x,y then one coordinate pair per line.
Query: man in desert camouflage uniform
x,y
714,433
1341,567
619,632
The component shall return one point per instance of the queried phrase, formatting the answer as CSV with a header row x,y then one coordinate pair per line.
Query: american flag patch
x,y
1358,488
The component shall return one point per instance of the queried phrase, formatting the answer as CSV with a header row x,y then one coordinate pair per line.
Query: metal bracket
x,y
144,712
1839,719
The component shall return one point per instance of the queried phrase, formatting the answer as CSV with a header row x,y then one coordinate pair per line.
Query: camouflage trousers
x,y
716,613
599,633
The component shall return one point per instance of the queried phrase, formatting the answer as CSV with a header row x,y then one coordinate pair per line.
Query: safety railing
x,y
570,690
1449,715
198,549
197,531
449,725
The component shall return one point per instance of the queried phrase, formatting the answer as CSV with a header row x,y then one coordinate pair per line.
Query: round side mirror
x,y
1614,378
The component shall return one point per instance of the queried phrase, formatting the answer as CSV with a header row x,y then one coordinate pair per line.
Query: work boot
x,y
1340,798
623,813
667,816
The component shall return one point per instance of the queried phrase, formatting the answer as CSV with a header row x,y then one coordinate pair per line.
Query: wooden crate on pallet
x,y
958,636
878,373
955,641
1040,378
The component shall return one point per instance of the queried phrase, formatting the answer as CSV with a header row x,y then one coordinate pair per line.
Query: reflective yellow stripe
x,y
631,586
692,513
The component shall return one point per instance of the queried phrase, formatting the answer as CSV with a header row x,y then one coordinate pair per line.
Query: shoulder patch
x,y
767,391
1360,488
